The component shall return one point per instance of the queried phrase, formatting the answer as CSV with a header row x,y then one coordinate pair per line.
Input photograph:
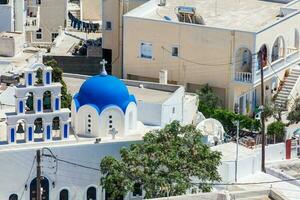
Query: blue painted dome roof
x,y
102,91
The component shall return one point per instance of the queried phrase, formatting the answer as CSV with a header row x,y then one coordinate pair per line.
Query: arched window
x,y
13,197
91,193
262,57
64,195
278,49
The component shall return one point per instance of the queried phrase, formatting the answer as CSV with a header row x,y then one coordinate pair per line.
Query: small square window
x,y
173,110
175,51
89,116
38,2
110,126
110,121
110,116
146,50
89,125
38,34
108,25
89,130
89,121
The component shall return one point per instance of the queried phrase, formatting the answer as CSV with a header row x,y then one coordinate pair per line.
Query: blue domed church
x,y
103,104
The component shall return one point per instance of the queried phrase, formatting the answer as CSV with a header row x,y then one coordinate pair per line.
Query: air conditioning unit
x,y
162,2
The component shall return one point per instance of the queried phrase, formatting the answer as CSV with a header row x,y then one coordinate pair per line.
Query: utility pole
x,y
262,117
38,175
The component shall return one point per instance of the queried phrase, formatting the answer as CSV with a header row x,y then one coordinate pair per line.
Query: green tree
x,y
227,118
208,101
294,115
57,72
164,163
277,130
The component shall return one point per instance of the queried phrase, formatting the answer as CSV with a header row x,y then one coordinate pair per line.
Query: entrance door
x,y
45,189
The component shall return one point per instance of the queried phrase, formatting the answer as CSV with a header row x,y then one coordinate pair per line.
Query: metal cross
x,y
103,71
113,132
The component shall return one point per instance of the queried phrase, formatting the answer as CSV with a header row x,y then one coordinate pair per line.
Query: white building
x,y
127,108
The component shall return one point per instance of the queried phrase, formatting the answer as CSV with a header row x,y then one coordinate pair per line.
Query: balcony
x,y
33,18
244,77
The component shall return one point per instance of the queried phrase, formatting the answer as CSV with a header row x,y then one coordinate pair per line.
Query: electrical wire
x,y
30,171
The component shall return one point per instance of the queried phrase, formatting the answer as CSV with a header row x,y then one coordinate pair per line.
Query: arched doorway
x,y
262,57
91,193
278,49
13,197
44,186
64,195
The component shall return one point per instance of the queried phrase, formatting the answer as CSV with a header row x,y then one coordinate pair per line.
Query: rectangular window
x,y
108,25
38,34
38,2
146,50
175,51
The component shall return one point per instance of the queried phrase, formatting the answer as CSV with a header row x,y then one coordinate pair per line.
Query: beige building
x,y
52,18
222,43
112,30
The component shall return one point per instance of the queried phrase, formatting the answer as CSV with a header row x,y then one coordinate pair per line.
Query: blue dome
x,y
102,91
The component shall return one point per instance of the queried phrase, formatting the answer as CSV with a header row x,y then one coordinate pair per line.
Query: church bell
x,y
20,128
38,128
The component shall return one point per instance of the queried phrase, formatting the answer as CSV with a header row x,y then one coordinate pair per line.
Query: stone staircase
x,y
289,84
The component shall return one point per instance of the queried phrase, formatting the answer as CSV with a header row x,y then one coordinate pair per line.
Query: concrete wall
x,y
6,16
91,10
78,64
11,45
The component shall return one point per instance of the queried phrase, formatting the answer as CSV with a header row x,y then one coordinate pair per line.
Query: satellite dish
x,y
212,129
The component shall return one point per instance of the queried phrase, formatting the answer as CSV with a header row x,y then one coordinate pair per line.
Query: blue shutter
x,y
29,79
57,104
12,135
21,107
30,133
48,78
66,131
39,105
48,132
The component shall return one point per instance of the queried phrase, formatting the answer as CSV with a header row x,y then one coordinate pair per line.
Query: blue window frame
x,y
48,78
29,79
39,104
12,135
21,107
66,131
30,133
48,132
57,104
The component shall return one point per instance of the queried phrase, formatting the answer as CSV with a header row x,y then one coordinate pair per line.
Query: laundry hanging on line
x,y
83,26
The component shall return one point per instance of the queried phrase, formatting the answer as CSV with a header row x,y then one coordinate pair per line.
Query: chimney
x,y
163,76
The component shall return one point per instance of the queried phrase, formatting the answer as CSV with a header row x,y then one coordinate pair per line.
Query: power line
x,y
30,171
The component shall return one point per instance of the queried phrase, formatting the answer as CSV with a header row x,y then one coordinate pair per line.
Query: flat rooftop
x,y
245,15
139,89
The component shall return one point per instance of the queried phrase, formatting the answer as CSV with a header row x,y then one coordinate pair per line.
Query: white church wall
x,y
149,113
172,109
112,117
131,117
87,121
16,165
